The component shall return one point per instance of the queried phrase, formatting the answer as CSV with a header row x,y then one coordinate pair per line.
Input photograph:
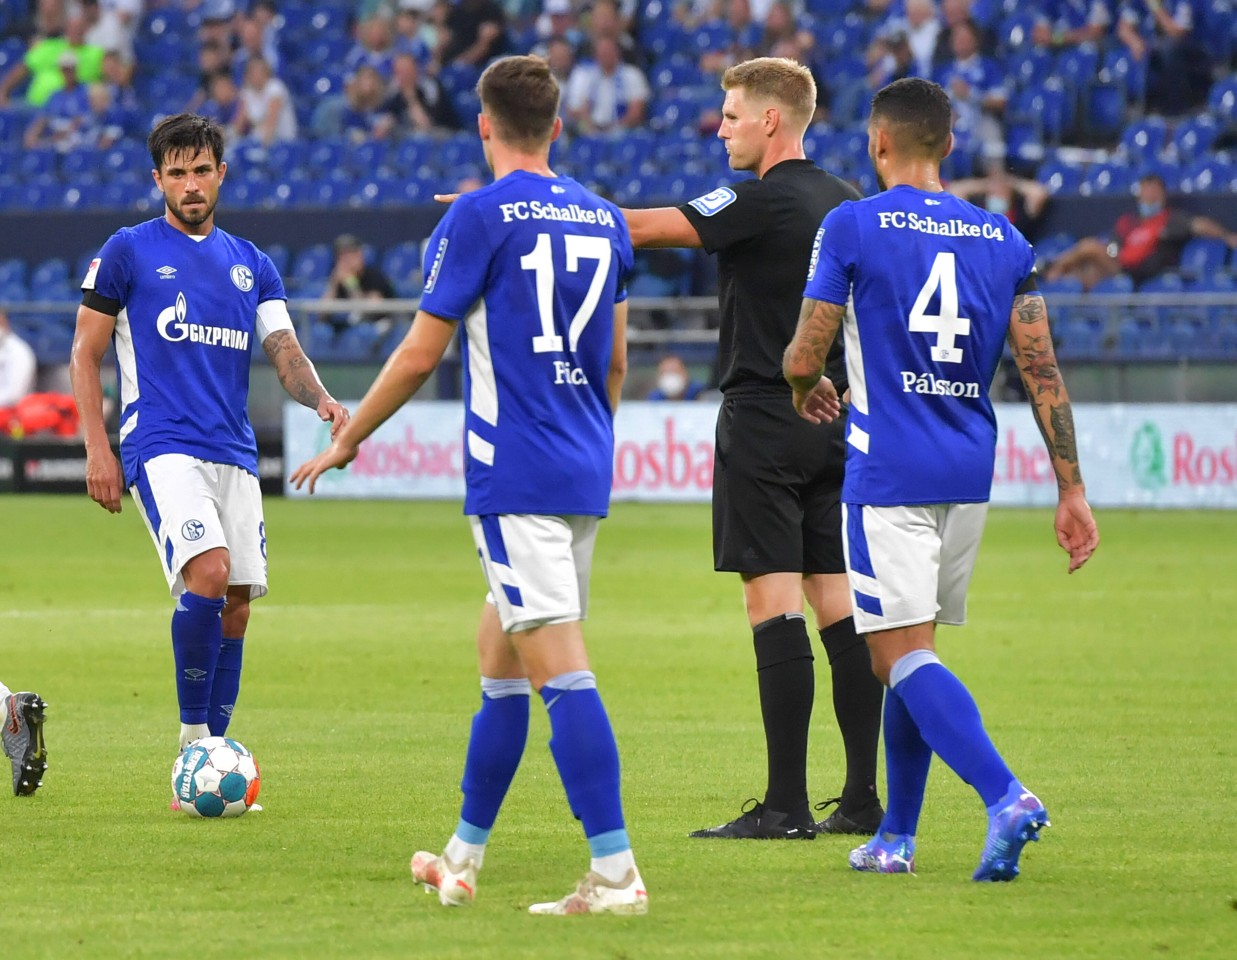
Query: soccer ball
x,y
215,777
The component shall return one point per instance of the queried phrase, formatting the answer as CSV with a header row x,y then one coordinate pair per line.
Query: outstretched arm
x,y
1030,342
660,227
300,380
404,373
803,363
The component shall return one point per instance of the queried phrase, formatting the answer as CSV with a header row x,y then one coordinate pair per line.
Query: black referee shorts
x,y
777,486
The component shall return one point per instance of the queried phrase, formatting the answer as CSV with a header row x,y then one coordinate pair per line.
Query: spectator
x,y
353,279
266,15
213,58
253,43
266,112
954,12
889,58
976,85
606,94
410,36
674,381
18,366
559,20
1147,243
118,76
779,25
103,123
223,103
60,120
41,64
1071,23
117,25
218,17
476,32
375,47
47,19
1165,33
1020,201
560,55
363,118
604,21
414,103
921,27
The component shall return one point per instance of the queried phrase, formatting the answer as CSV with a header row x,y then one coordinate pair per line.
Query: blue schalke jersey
x,y
533,266
930,280
187,323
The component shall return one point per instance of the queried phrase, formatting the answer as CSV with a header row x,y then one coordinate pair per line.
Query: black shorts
x,y
777,486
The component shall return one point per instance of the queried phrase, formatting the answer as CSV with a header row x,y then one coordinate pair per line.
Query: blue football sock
x,y
197,633
586,755
948,719
907,758
495,746
226,686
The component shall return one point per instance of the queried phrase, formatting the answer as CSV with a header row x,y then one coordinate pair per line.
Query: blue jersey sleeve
x,y
270,283
832,266
627,256
457,263
111,271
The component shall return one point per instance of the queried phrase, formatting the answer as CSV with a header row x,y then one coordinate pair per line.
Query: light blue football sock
x,y
582,743
949,721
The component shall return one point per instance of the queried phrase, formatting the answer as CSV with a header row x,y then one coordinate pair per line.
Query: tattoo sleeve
x,y
804,360
1030,343
296,374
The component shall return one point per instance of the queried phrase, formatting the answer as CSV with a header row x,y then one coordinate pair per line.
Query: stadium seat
x,y
1143,140
1120,283
13,270
49,273
1202,256
1060,177
1164,283
1107,179
1193,138
312,265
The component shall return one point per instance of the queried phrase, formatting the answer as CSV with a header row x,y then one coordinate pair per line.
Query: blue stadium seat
x,y
1144,139
1105,109
1164,283
676,71
1194,137
40,160
13,270
1060,177
1202,256
279,255
402,262
1129,74
326,155
312,265
1107,179
1212,174
49,273
1121,283
1030,67
1222,100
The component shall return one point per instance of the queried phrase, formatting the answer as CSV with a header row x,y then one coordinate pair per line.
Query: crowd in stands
x,y
371,102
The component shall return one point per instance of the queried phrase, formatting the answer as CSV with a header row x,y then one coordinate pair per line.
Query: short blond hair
x,y
787,83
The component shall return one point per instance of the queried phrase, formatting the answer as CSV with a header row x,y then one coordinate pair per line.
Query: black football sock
x,y
787,681
857,699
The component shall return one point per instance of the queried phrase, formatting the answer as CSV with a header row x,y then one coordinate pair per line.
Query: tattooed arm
x,y
300,380
803,363
1030,342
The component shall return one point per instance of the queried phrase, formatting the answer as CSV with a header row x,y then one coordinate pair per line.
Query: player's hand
x,y
821,404
334,456
446,197
333,412
104,479
1076,530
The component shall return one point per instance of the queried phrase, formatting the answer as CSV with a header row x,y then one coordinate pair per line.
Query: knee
x,y
235,617
882,662
207,574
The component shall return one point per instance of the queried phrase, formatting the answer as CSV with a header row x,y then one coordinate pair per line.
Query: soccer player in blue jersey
x,y
181,300
926,288
532,269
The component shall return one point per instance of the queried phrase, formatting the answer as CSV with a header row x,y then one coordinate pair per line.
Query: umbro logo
x,y
557,189
193,673
933,203
166,273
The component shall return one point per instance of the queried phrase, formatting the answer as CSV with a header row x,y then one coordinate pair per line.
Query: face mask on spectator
x,y
1146,210
997,205
672,384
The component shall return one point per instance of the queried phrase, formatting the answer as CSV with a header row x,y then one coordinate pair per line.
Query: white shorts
x,y
537,567
191,506
909,565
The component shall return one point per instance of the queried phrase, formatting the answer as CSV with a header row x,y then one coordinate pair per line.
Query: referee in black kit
x,y
778,479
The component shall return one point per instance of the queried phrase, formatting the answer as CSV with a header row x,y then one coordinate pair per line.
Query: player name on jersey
x,y
540,210
953,227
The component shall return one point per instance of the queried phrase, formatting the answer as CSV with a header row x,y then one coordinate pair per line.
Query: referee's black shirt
x,y
763,240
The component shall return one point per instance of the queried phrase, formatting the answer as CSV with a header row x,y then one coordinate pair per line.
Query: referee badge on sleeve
x,y
715,201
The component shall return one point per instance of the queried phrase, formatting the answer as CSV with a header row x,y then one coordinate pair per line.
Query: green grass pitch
x,y
1110,692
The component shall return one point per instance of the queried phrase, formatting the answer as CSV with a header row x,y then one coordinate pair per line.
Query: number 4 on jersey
x,y
541,261
946,324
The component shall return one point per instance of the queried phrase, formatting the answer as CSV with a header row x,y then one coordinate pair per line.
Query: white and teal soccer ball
x,y
215,777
